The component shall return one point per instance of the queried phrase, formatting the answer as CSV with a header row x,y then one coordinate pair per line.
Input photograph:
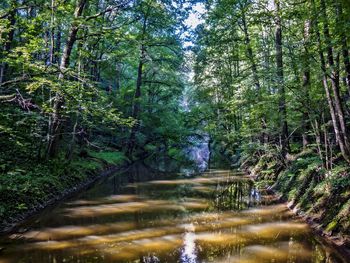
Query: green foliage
x,y
331,225
87,164
22,189
237,77
78,70
317,192
339,179
115,158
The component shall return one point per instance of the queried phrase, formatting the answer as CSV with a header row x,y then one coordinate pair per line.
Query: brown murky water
x,y
140,216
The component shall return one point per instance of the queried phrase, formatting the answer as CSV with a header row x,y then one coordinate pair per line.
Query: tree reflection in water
x,y
236,195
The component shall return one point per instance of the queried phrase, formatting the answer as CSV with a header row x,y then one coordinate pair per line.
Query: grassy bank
x,y
321,196
28,188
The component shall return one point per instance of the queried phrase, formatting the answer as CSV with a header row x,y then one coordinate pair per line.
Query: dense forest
x,y
276,74
90,84
85,84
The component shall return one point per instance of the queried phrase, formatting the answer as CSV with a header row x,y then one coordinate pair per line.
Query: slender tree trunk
x,y
57,49
70,151
334,78
328,95
335,121
56,122
256,79
137,103
346,63
334,72
343,39
8,42
316,129
69,154
306,84
137,96
280,82
52,34
118,73
249,50
326,146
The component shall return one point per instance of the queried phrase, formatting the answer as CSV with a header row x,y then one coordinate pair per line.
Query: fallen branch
x,y
17,98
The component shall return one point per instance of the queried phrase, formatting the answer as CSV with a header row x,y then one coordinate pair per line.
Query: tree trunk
x,y
137,96
52,34
57,49
8,42
346,63
256,79
334,78
137,103
306,84
280,82
249,50
343,39
317,132
55,128
335,121
118,73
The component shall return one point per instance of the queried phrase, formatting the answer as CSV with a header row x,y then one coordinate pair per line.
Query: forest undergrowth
x,y
320,196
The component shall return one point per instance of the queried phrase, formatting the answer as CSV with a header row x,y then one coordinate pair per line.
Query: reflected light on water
x,y
268,210
216,217
277,229
66,232
193,181
281,252
200,221
140,248
131,207
109,199
188,252
93,240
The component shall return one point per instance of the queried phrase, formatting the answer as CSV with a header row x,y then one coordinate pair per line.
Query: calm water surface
x,y
139,216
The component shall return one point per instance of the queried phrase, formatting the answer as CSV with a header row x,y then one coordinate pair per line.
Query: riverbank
x,y
320,196
25,191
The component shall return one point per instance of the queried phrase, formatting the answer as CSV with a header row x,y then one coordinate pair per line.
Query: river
x,y
143,216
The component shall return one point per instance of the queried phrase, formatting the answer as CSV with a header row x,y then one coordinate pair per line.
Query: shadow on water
x,y
143,216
